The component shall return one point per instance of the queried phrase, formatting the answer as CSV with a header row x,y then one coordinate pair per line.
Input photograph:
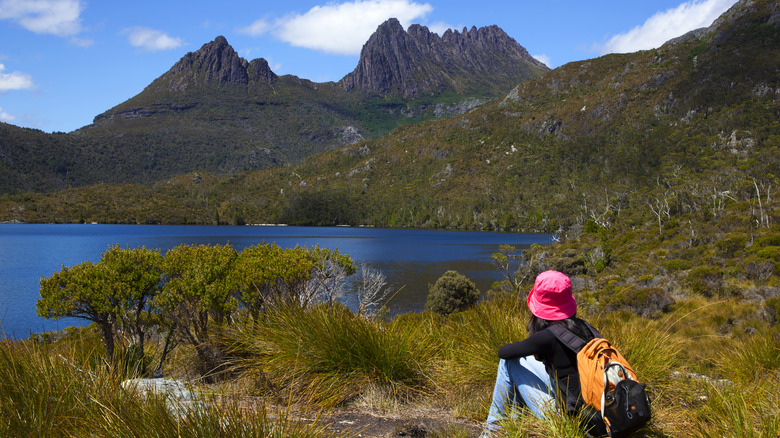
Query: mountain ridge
x,y
392,57
214,111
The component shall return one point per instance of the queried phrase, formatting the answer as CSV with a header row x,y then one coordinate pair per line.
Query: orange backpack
x,y
607,381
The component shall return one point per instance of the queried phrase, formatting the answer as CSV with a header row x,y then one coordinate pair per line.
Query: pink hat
x,y
551,297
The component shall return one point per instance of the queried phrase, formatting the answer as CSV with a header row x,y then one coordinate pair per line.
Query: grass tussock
x,y
42,393
329,355
740,410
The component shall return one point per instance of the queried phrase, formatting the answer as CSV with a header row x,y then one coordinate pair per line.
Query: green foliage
x,y
111,293
677,264
773,307
569,262
646,302
452,292
706,281
267,273
198,295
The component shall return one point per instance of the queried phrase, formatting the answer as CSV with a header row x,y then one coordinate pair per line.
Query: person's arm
x,y
532,345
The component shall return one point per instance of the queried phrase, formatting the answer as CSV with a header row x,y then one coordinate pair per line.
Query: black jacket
x,y
561,364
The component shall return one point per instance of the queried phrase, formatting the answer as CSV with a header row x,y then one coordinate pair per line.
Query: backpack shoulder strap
x,y
567,337
593,330
571,340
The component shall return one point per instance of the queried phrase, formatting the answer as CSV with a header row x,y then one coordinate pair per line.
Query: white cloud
x,y
666,25
14,81
339,28
440,27
544,59
56,17
152,40
257,28
5,117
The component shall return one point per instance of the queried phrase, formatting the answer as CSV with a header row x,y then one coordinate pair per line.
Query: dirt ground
x,y
413,423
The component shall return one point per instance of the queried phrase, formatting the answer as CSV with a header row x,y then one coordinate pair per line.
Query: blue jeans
x,y
520,382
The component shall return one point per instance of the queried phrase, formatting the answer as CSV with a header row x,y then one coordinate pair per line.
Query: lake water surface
x,y
410,259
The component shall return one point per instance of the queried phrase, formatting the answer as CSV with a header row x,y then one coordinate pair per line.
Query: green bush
x,y
771,240
453,292
646,302
731,243
706,280
569,262
772,306
757,268
770,252
677,264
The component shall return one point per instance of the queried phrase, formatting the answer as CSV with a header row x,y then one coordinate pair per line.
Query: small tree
x,y
452,292
198,294
329,271
81,291
503,259
371,291
135,279
111,293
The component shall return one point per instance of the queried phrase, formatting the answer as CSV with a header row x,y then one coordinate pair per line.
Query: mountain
x,y
415,62
217,112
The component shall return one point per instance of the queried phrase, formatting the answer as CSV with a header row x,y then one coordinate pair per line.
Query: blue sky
x,y
62,62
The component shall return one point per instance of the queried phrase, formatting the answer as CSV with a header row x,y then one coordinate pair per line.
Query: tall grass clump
x,y
329,355
751,359
555,424
466,373
224,420
740,410
43,394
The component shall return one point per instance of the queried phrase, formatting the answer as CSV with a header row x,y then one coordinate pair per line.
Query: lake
x,y
410,259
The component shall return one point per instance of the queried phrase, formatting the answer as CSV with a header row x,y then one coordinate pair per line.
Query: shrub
x,y
569,262
453,292
677,264
771,240
706,280
773,308
646,302
731,243
758,269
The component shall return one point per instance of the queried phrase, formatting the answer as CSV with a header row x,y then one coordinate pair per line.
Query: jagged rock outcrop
x,y
417,61
217,63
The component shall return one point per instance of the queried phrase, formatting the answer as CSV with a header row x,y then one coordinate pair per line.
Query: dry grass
x,y
307,359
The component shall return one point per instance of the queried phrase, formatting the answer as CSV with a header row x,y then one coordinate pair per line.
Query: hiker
x,y
525,369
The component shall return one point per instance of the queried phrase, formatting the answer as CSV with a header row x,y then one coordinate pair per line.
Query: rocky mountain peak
x,y
417,61
217,63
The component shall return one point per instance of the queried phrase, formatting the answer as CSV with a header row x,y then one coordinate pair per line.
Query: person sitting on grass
x,y
532,371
